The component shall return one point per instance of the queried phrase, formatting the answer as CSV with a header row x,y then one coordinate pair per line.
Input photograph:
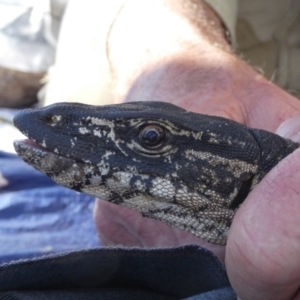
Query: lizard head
x,y
188,170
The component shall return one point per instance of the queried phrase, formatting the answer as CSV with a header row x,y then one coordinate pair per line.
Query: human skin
x,y
176,51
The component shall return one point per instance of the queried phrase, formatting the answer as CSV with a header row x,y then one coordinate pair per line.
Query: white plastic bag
x,y
28,35
27,41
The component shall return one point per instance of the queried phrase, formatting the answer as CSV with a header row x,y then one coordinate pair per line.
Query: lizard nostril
x,y
52,119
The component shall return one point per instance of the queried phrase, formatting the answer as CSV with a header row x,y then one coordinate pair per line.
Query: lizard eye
x,y
152,136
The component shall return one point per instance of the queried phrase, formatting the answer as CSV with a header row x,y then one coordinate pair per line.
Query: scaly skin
x,y
189,170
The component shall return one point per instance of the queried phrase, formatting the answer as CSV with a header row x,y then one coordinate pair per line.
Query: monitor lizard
x,y
189,170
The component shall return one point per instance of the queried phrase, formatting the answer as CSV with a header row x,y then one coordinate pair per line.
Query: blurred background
x,y
55,51
37,217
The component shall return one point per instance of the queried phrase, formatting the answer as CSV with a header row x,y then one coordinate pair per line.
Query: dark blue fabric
x,y
37,216
176,273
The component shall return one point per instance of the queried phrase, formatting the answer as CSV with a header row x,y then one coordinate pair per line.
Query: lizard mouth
x,y
30,151
41,158
29,144
27,147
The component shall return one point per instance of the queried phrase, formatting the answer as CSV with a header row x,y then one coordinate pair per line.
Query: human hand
x,y
209,79
246,262
263,248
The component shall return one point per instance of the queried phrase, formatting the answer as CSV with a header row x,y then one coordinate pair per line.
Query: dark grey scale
x,y
77,186
116,198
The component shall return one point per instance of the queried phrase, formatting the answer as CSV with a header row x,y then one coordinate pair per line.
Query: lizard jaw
x,y
67,172
39,157
50,163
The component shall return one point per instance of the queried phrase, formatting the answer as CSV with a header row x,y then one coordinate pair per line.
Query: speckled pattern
x,y
189,170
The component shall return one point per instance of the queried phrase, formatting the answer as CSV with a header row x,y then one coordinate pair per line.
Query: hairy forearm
x,y
177,51
154,41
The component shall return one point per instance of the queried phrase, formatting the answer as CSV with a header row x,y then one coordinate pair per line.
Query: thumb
x,y
263,249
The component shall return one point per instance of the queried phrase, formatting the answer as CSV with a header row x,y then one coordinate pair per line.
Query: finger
x,y
263,250
290,129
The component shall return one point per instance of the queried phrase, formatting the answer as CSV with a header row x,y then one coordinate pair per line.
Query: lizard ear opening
x,y
242,194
